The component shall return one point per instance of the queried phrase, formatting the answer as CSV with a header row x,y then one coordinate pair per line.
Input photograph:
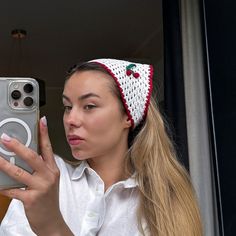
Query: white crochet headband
x,y
134,81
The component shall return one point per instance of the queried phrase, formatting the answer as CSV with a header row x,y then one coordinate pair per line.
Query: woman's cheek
x,y
97,123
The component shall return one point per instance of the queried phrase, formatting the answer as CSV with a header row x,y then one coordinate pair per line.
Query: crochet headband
x,y
134,81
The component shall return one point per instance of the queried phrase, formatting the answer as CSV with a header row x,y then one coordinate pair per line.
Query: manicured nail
x,y
5,137
44,121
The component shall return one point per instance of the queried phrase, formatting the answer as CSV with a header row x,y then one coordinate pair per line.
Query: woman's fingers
x,y
45,144
15,172
18,194
26,154
29,155
44,166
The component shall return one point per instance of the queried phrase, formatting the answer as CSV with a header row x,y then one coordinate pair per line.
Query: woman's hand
x,y
41,197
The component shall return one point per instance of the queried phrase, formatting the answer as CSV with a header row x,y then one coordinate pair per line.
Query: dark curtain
x,y
220,21
174,100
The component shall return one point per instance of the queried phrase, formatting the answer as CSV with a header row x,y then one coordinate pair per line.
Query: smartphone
x,y
19,116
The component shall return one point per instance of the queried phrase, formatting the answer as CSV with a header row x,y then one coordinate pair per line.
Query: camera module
x,y
28,88
28,101
16,94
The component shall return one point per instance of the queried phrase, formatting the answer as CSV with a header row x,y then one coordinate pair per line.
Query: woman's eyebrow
x,y
88,95
65,97
82,97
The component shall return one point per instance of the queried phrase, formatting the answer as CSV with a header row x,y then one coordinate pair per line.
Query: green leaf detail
x,y
130,66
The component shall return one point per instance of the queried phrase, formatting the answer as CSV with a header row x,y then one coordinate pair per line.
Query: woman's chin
x,y
78,156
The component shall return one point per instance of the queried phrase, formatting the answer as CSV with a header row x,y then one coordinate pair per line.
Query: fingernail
x,y
44,121
5,137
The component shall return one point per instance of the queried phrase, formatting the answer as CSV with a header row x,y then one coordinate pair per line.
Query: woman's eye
x,y
89,106
67,108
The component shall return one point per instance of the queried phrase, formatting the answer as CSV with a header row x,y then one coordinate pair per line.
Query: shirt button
x,y
92,217
91,214
99,190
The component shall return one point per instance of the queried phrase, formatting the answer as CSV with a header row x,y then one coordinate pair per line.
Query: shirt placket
x,y
95,212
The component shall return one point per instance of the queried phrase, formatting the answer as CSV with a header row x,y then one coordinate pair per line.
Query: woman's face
x,y
94,124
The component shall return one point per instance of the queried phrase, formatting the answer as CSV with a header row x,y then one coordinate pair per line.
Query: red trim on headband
x,y
119,87
149,91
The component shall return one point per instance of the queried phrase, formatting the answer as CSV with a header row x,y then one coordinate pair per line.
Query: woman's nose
x,y
74,118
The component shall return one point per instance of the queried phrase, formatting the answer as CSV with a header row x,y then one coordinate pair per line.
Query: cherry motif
x,y
129,71
136,75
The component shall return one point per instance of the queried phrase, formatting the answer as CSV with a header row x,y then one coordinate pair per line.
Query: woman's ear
x,y
128,122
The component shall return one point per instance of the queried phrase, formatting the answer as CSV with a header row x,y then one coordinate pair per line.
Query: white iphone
x,y
19,115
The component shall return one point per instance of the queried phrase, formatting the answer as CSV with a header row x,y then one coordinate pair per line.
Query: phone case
x,y
19,115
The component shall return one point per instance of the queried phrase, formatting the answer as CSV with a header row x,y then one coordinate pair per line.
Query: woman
x,y
126,181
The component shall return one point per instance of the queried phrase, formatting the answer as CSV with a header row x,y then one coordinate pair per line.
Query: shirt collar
x,y
79,171
131,182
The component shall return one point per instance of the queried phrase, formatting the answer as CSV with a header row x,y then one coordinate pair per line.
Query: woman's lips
x,y
74,140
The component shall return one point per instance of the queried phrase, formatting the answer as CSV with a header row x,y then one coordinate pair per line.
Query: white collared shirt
x,y
85,207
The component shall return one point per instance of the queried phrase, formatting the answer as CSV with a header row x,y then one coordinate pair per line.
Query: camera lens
x,y
28,88
28,101
16,94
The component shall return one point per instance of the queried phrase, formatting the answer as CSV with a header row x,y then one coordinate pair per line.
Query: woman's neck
x,y
110,169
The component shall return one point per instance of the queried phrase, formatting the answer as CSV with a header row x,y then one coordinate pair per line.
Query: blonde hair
x,y
167,200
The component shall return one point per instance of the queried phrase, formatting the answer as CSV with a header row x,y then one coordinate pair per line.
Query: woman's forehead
x,y
90,76
88,82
